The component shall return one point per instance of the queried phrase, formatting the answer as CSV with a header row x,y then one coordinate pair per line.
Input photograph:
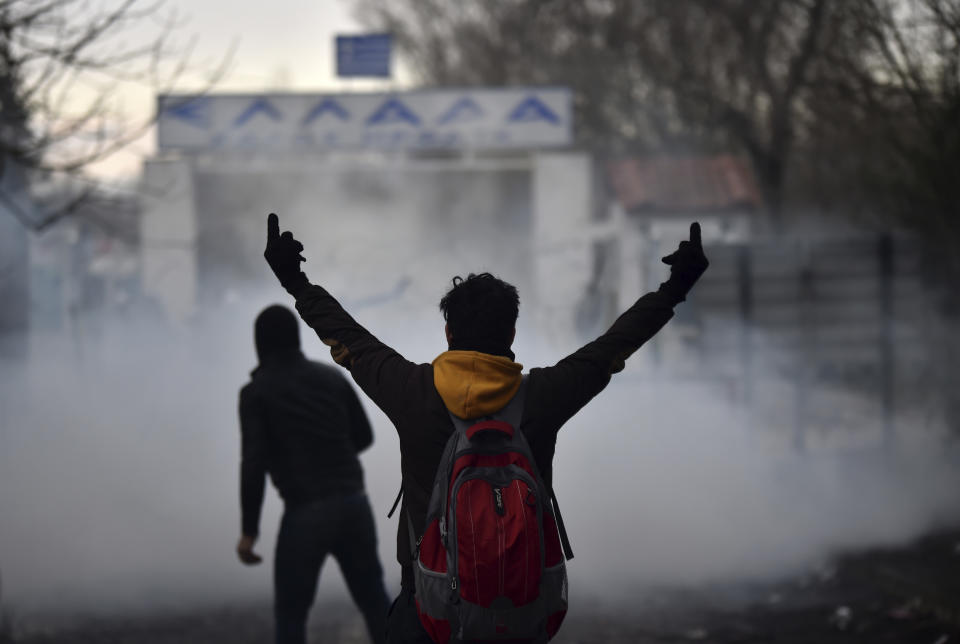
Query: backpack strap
x,y
393,508
414,542
564,539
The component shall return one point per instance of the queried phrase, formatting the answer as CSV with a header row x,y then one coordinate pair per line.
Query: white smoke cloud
x,y
119,462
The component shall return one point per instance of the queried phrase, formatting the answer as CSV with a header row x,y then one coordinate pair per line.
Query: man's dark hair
x,y
276,332
481,313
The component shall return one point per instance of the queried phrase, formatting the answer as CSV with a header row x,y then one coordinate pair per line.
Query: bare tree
x,y
61,64
660,74
904,126
585,46
853,100
908,96
745,69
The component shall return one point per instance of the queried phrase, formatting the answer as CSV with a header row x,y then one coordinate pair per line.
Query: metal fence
x,y
821,337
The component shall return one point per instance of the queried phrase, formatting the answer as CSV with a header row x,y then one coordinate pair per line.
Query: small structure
x,y
718,190
651,202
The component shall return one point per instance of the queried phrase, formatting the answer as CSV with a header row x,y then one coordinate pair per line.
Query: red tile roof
x,y
684,184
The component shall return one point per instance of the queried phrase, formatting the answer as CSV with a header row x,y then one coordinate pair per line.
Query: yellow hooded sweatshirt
x,y
474,384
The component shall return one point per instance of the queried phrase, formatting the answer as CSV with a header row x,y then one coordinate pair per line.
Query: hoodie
x,y
300,422
474,384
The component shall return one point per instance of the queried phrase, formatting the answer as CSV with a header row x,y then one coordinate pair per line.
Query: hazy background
x,y
119,441
120,458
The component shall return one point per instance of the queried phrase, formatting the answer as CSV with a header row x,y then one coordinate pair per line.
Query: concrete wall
x,y
168,236
562,242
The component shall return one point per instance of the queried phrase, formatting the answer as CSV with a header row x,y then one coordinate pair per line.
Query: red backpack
x,y
490,562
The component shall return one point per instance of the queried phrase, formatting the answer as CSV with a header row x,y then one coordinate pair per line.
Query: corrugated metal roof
x,y
684,184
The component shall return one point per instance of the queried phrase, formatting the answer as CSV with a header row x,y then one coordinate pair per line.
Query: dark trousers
x,y
343,527
403,623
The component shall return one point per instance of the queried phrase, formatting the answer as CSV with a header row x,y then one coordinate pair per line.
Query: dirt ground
x,y
909,594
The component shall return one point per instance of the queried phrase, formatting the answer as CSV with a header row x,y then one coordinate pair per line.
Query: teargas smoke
x,y
120,445
682,486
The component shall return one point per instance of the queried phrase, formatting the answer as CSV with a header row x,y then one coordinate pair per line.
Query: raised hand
x,y
283,255
687,264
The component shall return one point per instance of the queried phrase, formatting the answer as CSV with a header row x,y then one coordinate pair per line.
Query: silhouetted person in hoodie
x,y
302,423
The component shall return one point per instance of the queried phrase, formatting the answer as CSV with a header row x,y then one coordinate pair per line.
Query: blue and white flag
x,y
367,55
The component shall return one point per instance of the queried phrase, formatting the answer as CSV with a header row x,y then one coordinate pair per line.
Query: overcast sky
x,y
277,45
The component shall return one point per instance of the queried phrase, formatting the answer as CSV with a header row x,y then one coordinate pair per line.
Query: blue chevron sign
x,y
465,109
393,111
257,106
326,106
532,109
194,110
465,118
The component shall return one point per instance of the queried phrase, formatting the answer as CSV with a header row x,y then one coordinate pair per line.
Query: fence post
x,y
745,282
805,361
887,366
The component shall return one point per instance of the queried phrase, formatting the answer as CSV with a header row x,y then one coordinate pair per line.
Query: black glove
x,y
687,264
283,256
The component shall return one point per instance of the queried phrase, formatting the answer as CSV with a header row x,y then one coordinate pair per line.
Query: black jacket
x,y
407,394
300,421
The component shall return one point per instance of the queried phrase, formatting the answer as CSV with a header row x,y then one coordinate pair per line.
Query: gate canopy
x,y
476,118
